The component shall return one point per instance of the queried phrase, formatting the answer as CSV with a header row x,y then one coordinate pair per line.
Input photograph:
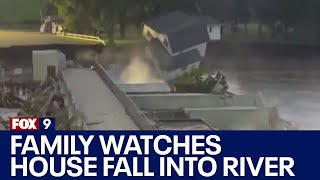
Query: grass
x,y
301,35
25,15
252,33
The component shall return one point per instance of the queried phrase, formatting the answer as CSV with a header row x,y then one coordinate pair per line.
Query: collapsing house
x,y
178,42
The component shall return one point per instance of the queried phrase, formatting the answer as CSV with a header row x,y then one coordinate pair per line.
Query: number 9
x,y
46,123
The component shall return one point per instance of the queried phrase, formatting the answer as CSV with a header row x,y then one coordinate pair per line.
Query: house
x,y
171,67
178,42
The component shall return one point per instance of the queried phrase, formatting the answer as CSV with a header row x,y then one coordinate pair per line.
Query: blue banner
x,y
160,154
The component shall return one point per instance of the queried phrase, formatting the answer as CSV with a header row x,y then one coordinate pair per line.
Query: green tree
x,y
240,9
122,6
290,13
88,15
74,13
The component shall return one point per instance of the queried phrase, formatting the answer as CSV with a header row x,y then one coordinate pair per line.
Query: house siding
x,y
155,34
214,32
200,47
147,29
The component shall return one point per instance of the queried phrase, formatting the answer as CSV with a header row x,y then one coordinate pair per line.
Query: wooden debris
x,y
3,124
47,100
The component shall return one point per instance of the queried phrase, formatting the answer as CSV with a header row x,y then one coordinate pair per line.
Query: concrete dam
x,y
104,106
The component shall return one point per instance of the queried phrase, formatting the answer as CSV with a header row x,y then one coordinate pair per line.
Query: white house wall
x,y
165,37
155,34
247,118
152,32
215,33
200,47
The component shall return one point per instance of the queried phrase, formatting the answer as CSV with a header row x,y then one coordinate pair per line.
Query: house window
x,y
210,28
165,43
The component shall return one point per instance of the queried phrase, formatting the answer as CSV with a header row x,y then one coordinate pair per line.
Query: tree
x,y
290,13
263,12
74,14
122,6
87,16
240,9
105,12
311,16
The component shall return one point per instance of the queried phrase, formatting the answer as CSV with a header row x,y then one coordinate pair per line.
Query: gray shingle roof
x,y
183,30
170,22
167,62
188,37
177,20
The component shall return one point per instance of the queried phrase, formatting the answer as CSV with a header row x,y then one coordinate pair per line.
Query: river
x,y
292,85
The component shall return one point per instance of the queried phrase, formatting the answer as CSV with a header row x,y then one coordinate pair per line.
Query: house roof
x,y
177,20
167,62
170,22
188,37
183,30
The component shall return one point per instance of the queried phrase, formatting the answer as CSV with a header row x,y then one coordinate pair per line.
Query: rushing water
x,y
294,88
288,78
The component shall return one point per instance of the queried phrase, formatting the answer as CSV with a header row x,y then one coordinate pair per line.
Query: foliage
x,y
192,82
194,76
280,16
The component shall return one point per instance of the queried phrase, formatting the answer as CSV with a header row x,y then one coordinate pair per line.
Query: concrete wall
x,y
44,58
177,101
162,87
234,118
132,110
77,119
